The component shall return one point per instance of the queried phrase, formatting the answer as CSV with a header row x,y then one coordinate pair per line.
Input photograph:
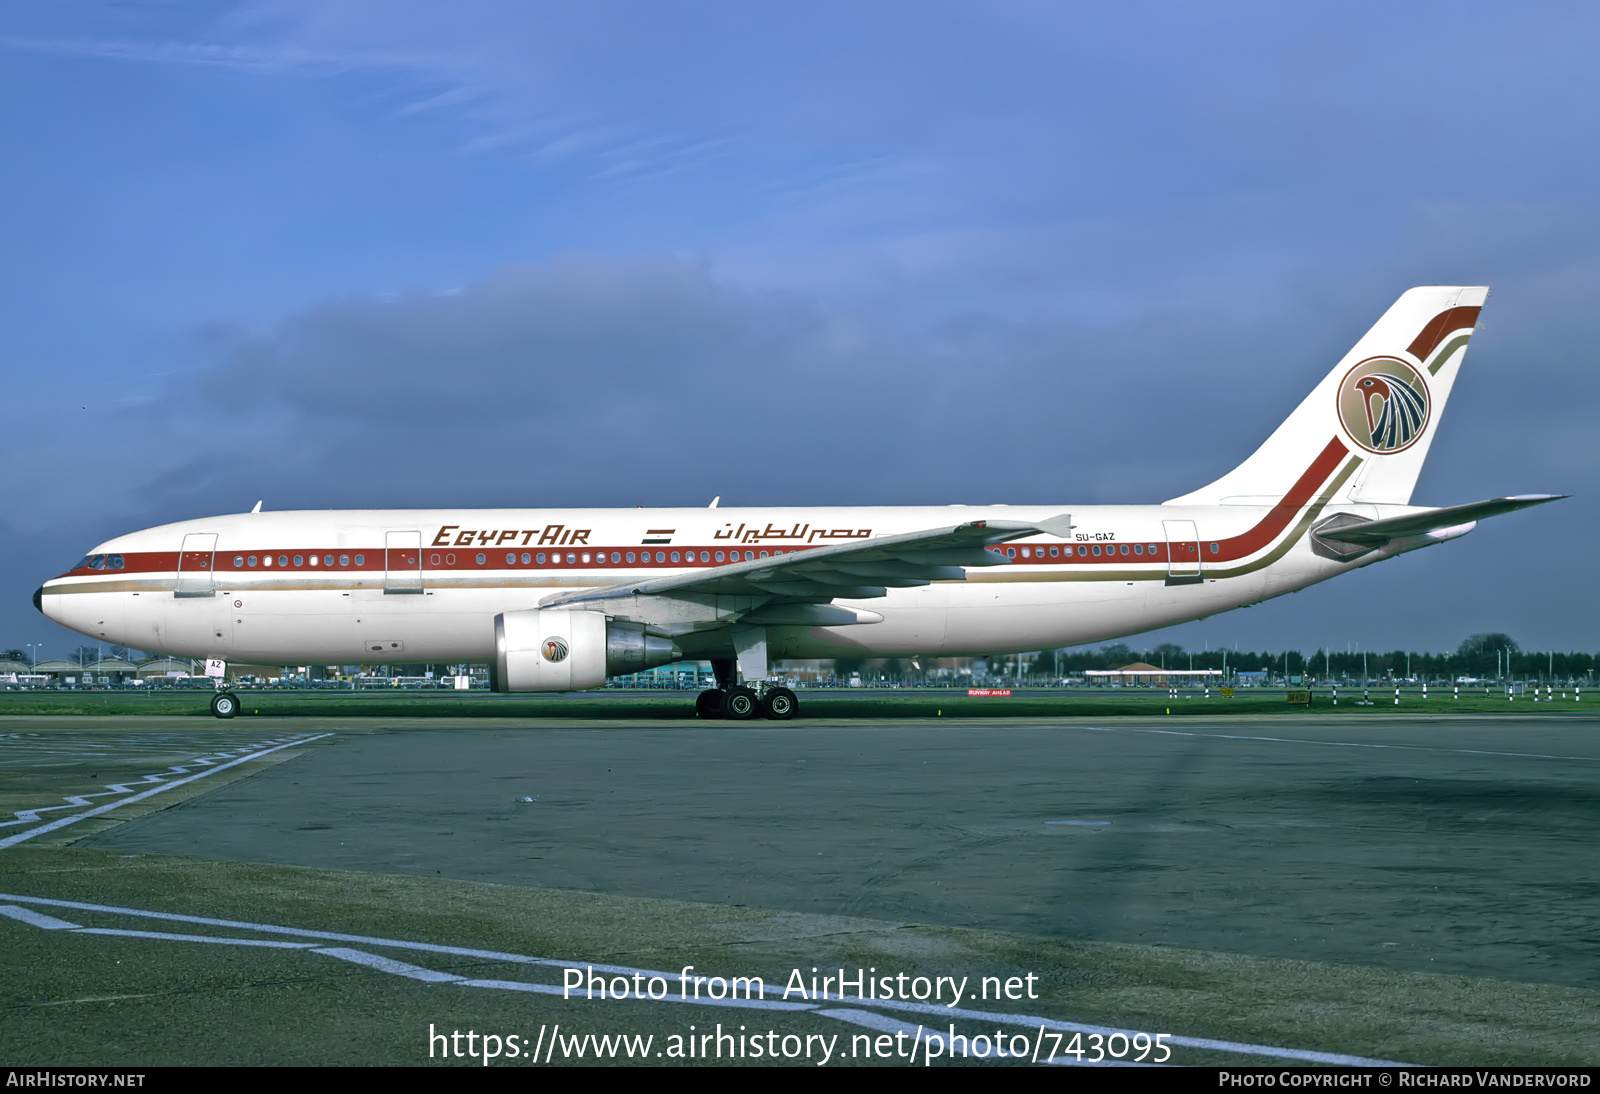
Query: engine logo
x,y
554,650
1383,404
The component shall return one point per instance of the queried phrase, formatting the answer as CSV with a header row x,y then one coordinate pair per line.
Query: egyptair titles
x,y
560,535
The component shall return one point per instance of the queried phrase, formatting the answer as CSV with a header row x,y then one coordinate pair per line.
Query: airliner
x,y
560,600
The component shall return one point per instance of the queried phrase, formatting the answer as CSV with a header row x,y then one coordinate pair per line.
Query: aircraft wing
x,y
1375,533
795,586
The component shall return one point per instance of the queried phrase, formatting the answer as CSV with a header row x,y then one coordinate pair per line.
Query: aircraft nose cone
x,y
38,599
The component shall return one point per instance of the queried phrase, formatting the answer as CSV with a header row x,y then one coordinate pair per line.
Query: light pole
x,y
33,649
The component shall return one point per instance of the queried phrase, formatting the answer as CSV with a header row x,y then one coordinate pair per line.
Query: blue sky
x,y
352,254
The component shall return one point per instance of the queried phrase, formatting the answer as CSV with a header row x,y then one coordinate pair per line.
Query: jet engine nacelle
x,y
555,649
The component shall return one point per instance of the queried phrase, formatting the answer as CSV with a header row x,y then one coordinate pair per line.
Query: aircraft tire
x,y
224,704
779,704
741,703
709,704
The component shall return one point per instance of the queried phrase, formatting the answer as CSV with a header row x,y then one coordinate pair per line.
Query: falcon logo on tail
x,y
1383,404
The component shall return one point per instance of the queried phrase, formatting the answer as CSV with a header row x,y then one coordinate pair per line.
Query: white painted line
x,y
335,936
417,972
31,816
672,996
36,919
513,985
163,936
76,817
881,1022
389,965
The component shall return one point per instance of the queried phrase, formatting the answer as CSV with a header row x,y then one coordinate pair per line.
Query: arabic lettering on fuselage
x,y
802,533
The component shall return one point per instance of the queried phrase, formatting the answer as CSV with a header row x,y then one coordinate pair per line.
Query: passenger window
x,y
344,560
661,556
482,559
283,560
238,560
1138,548
763,554
526,558
1054,552
705,556
539,558
572,560
266,560
1097,550
251,561
1213,548
1011,552
1124,548
630,556
615,557
449,560
361,560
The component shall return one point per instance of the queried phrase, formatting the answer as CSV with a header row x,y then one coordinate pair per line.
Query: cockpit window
x,y
97,562
114,562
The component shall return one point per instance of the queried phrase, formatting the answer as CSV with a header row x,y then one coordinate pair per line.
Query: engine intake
x,y
555,649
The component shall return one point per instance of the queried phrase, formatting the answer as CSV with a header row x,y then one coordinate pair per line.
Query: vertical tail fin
x,y
1381,404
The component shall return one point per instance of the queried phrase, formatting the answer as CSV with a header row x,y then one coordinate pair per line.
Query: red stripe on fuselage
x,y
373,561
1304,489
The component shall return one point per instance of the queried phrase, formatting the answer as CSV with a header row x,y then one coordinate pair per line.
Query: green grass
x,y
667,705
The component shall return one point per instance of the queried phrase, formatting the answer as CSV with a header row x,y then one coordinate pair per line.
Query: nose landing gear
x,y
224,704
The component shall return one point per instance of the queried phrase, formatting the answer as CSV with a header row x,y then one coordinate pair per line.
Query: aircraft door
x,y
195,565
1183,552
402,562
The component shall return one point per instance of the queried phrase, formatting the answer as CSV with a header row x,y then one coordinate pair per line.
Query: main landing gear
x,y
224,704
740,702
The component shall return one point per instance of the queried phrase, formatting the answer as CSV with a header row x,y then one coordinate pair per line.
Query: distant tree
x,y
1168,655
1487,643
84,656
1117,654
13,655
1479,653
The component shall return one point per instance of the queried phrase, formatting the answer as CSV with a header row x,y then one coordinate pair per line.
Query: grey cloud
x,y
589,380
531,342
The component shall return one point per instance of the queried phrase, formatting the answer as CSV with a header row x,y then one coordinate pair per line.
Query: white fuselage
x,y
381,586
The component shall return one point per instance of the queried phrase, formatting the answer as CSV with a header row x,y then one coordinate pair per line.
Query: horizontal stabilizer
x,y
1375,533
